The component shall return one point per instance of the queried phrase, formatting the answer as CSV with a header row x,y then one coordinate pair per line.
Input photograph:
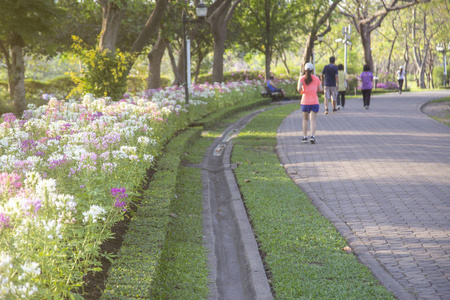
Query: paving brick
x,y
384,172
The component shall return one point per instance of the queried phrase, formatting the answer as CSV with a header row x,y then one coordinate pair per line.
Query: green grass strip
x,y
183,271
212,119
132,272
303,251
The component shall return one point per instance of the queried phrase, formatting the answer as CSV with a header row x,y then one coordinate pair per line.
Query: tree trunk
x,y
284,60
5,51
182,64
17,79
151,27
406,57
367,44
390,56
268,40
176,70
219,49
111,17
268,55
308,52
154,69
219,19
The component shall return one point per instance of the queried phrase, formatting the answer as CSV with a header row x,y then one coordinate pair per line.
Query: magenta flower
x,y
120,194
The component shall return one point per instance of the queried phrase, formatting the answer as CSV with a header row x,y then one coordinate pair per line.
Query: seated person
x,y
273,87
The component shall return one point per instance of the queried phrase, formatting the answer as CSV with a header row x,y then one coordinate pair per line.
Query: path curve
x,y
382,176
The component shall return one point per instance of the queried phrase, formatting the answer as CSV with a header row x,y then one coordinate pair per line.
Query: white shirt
x,y
401,74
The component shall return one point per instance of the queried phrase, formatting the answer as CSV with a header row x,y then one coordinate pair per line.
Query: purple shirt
x,y
366,80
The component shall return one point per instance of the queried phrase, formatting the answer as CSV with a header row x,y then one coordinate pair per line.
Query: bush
x,y
105,73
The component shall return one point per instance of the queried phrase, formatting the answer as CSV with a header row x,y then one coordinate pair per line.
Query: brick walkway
x,y
382,176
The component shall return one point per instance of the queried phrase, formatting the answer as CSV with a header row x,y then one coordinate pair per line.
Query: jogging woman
x,y
308,85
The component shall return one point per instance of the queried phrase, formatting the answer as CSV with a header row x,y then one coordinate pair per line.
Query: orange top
x,y
309,91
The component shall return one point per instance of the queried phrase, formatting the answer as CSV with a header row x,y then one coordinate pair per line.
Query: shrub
x,y
105,73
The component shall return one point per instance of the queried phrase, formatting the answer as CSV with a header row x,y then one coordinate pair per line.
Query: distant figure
x,y
342,87
329,79
400,78
273,86
366,78
308,85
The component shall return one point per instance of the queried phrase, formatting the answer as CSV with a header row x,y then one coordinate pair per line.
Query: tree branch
x,y
151,26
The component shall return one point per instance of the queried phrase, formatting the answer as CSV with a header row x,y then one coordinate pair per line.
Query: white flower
x,y
52,226
128,150
94,213
31,268
148,157
143,140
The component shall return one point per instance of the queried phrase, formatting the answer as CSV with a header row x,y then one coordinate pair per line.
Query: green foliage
x,y
27,18
241,75
105,73
137,84
438,76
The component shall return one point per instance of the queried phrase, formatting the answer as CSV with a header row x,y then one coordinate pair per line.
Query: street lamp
x,y
346,33
440,48
201,10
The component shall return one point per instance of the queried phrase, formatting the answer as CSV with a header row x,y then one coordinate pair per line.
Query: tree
x,y
366,17
265,26
317,16
222,11
23,23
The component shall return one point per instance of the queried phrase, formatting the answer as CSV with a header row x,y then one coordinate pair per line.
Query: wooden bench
x,y
276,96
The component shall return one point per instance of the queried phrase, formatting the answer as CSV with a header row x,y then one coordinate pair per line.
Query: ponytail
x,y
308,78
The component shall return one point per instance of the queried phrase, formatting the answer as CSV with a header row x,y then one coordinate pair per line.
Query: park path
x,y
382,176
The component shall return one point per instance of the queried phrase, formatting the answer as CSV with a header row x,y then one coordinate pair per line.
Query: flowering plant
x,y
68,171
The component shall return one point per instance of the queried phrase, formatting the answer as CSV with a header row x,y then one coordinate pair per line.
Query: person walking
x,y
342,87
400,78
329,79
308,85
366,78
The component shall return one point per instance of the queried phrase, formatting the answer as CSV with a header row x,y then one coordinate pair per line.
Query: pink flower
x,y
9,182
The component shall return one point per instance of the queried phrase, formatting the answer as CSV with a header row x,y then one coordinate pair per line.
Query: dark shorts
x,y
309,108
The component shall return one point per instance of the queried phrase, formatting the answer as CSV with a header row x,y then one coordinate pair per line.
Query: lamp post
x,y
201,10
346,41
441,48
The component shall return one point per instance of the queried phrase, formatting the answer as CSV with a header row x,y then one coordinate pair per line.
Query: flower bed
x,y
68,171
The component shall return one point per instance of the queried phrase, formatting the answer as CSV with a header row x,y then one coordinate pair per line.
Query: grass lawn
x,y
304,254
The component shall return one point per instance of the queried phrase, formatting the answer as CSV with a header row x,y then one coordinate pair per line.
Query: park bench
x,y
276,96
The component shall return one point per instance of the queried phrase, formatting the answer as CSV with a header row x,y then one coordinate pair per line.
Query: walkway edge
x,y
354,242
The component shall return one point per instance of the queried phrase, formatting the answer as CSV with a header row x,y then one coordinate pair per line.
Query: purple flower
x,y
5,221
28,145
9,118
57,162
97,115
121,204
